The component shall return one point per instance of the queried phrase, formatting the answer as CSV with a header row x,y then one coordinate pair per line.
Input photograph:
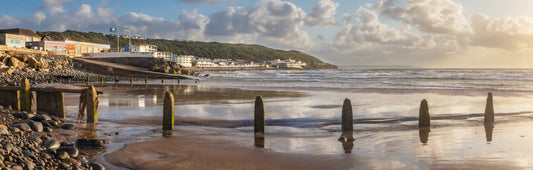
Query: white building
x,y
288,63
141,48
183,60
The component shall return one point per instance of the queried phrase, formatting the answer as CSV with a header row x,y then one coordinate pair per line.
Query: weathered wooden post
x,y
145,79
52,102
131,80
88,80
168,113
116,79
102,80
10,98
423,115
25,95
162,80
179,81
347,116
259,118
489,110
92,105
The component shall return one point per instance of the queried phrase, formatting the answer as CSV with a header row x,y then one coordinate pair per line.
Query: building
x,y
141,48
29,35
183,60
68,48
288,63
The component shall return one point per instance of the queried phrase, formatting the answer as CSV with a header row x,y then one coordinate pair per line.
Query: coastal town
x,y
20,38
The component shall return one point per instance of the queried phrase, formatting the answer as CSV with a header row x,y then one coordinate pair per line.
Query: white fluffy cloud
x,y
322,14
54,6
429,16
271,22
508,32
371,33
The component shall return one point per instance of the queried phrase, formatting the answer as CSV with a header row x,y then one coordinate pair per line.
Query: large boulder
x,y
32,62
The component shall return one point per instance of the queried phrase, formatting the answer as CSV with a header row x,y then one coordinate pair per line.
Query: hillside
x,y
247,52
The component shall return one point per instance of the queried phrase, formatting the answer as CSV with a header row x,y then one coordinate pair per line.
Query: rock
x,y
23,127
48,129
73,161
42,117
32,62
17,168
96,166
36,126
52,144
7,70
22,58
72,151
30,115
27,153
3,130
91,143
69,126
63,155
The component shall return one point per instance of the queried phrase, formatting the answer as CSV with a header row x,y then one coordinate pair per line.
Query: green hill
x,y
247,52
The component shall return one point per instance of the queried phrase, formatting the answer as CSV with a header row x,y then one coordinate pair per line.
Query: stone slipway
x,y
125,70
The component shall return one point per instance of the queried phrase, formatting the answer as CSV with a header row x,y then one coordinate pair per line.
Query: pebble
x,y
23,127
36,126
69,126
72,151
52,144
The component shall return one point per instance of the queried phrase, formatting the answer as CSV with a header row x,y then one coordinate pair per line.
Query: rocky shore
x,y
42,69
36,141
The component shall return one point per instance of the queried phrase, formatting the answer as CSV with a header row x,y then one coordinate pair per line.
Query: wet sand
x,y
213,130
201,153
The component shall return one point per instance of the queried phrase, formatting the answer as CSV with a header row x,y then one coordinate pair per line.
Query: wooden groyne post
x,y
347,116
10,97
51,101
168,113
423,115
489,110
92,105
259,118
25,95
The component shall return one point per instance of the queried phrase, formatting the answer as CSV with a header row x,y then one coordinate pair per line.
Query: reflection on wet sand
x,y
259,142
489,127
347,141
423,133
141,95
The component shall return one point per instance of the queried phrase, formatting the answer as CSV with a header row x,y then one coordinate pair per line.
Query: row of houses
x,y
24,38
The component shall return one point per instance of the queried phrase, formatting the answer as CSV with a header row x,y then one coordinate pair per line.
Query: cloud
x,y
271,22
203,1
429,16
54,6
8,21
507,32
322,14
371,33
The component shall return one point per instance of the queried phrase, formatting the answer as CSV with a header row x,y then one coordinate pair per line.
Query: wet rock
x,y
72,151
97,166
3,130
36,126
48,129
73,161
23,127
91,143
52,144
63,155
69,126
27,153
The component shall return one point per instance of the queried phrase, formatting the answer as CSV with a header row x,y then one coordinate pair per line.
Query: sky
x,y
421,33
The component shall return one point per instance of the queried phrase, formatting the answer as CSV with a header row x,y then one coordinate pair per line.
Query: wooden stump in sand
x,y
51,102
489,110
259,118
347,116
25,95
423,117
92,105
168,113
